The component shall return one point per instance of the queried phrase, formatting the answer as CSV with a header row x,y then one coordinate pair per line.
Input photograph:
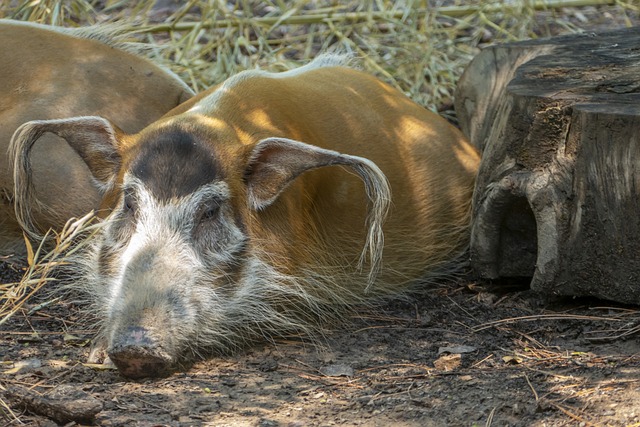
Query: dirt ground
x,y
462,354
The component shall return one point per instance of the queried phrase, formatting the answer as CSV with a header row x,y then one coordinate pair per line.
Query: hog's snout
x,y
137,354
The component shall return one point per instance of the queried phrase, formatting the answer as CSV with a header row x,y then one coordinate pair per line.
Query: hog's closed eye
x,y
209,213
129,204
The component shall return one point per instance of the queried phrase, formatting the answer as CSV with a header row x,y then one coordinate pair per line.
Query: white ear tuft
x,y
275,162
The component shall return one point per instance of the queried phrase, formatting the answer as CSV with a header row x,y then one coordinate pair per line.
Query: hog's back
x,y
430,166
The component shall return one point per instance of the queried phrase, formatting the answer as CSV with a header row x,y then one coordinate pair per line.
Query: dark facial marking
x,y
175,163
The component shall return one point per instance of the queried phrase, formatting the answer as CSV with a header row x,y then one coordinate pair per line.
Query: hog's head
x,y
181,267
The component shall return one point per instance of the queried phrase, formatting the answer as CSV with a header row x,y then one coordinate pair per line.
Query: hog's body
x,y
55,73
223,228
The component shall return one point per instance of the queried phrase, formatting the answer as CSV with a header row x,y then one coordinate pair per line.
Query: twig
x,y
63,405
542,317
475,365
535,393
490,419
13,415
626,332
571,414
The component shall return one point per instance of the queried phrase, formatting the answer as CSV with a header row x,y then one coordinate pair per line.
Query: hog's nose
x,y
137,355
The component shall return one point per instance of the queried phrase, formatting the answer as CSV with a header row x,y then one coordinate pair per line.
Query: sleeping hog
x,y
266,206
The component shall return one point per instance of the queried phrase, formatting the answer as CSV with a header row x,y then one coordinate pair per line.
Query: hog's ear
x,y
94,139
275,162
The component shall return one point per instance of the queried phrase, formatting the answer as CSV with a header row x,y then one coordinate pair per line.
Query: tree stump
x,y
558,191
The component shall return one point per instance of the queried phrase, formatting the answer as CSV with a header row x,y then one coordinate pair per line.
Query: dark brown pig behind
x,y
250,211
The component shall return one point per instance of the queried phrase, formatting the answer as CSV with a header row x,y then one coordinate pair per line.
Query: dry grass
x,y
42,262
421,47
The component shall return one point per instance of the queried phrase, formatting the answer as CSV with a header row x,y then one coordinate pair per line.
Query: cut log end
x,y
558,191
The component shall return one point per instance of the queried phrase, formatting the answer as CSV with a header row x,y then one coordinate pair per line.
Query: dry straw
x,y
420,47
41,262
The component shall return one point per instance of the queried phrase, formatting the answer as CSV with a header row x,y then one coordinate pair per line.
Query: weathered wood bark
x,y
558,191
65,404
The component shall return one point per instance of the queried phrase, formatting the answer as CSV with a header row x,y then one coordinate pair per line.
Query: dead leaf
x,y
75,340
512,360
24,365
459,349
448,362
337,370
100,366
30,256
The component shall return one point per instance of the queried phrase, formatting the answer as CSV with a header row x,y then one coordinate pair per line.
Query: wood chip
x,y
64,405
